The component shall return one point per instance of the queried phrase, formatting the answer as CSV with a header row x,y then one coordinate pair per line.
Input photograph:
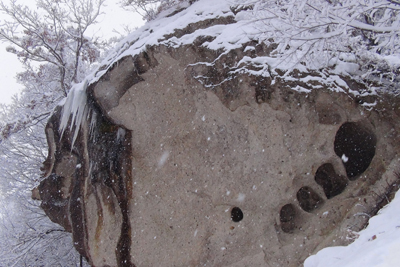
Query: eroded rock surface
x,y
177,165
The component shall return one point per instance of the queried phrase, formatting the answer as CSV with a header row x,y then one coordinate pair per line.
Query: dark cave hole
x,y
355,145
308,199
236,214
287,216
332,183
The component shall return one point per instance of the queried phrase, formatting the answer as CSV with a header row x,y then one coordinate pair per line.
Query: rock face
x,y
170,168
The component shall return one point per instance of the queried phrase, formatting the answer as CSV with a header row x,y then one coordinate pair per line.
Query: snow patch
x,y
377,245
393,60
301,89
369,106
241,197
344,158
163,159
347,68
249,48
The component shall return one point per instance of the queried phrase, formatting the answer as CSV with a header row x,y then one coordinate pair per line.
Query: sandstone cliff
x,y
182,150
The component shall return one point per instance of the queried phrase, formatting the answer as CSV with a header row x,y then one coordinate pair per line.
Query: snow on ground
x,y
377,246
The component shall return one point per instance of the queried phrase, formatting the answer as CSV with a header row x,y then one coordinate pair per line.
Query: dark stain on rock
x,y
144,62
53,202
263,90
76,211
111,151
104,156
328,114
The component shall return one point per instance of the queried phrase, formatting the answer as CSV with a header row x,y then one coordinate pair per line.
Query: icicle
x,y
92,126
76,106
120,134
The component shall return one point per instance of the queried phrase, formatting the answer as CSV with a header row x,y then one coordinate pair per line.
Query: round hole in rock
x,y
287,216
308,199
355,145
236,214
332,183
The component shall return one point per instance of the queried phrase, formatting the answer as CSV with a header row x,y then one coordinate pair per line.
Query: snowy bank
x,y
377,246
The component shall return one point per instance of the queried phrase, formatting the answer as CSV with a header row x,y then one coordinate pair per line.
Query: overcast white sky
x,y
114,17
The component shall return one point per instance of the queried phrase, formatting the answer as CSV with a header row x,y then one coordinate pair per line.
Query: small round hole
x,y
287,218
236,214
332,183
308,199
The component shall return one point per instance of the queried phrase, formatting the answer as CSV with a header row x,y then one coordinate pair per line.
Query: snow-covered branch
x,y
317,33
54,34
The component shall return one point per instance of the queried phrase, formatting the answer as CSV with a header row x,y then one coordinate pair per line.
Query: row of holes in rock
x,y
355,145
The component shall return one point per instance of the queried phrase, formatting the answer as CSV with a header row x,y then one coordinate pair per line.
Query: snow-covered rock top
x,y
245,27
154,32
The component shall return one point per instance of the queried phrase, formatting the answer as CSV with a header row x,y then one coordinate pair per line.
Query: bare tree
x,y
27,236
146,8
54,34
149,9
55,52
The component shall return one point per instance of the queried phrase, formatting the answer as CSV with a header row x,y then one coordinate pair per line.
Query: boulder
x,y
181,163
